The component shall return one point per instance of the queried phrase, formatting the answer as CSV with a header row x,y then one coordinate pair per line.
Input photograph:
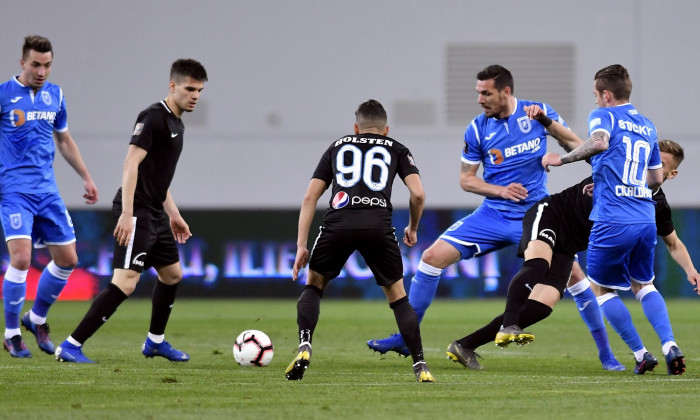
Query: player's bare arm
x,y
598,142
314,191
470,182
70,152
125,224
415,204
680,255
180,228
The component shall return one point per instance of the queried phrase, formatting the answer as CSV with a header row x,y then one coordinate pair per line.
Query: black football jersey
x,y
160,133
361,170
575,207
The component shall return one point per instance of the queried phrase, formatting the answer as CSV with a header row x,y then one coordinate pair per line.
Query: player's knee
x,y
440,257
66,261
531,273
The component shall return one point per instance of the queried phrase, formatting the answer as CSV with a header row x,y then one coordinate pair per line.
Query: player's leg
x,y
308,312
592,316
409,328
128,264
101,309
162,301
53,228
331,250
14,290
608,257
165,257
17,212
653,304
483,231
536,246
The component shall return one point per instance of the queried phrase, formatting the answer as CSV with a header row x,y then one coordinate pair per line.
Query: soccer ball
x,y
253,348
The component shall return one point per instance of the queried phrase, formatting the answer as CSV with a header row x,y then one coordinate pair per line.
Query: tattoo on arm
x,y
594,145
467,167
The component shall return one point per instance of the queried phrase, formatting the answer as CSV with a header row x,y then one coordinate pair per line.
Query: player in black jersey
x,y
555,229
361,169
148,221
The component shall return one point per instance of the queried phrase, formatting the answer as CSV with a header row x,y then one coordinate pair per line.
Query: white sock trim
x,y
58,272
38,320
579,287
645,291
639,354
429,269
667,346
156,338
16,276
11,332
73,341
606,297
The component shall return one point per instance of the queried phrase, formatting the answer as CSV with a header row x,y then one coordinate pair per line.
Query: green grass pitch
x,y
557,376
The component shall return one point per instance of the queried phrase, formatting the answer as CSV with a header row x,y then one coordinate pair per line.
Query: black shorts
x,y
378,247
546,223
152,244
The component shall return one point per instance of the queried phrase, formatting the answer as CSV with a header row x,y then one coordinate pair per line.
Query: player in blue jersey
x,y
33,123
627,166
509,139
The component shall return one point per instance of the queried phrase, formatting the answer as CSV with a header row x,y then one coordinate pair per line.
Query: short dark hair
x,y
501,77
615,79
37,43
187,67
371,114
673,148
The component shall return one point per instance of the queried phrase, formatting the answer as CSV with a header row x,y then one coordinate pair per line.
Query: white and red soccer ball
x,y
253,348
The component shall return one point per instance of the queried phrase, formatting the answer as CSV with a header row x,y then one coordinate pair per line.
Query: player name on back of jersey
x,y
632,191
630,126
364,140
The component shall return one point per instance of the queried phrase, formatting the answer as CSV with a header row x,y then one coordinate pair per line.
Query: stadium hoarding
x,y
250,253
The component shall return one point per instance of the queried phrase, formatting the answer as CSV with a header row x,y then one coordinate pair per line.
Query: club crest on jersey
x,y
16,220
138,128
46,97
341,200
524,123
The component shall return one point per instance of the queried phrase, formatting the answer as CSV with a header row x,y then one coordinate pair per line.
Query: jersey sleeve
x,y
664,222
146,126
324,169
60,124
655,158
406,164
472,153
600,120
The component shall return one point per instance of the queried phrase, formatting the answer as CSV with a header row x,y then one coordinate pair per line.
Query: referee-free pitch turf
x,y
556,376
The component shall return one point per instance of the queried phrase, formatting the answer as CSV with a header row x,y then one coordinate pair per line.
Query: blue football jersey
x,y
27,123
621,194
511,150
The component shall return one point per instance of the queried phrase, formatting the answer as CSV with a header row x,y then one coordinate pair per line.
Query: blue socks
x,y
52,281
593,317
423,288
655,310
619,317
14,290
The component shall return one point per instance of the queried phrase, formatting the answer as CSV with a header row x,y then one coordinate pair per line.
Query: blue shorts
x,y
483,231
41,218
619,254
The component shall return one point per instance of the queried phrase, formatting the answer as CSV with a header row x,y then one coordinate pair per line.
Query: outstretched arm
x,y
70,152
680,255
598,142
415,206
314,191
